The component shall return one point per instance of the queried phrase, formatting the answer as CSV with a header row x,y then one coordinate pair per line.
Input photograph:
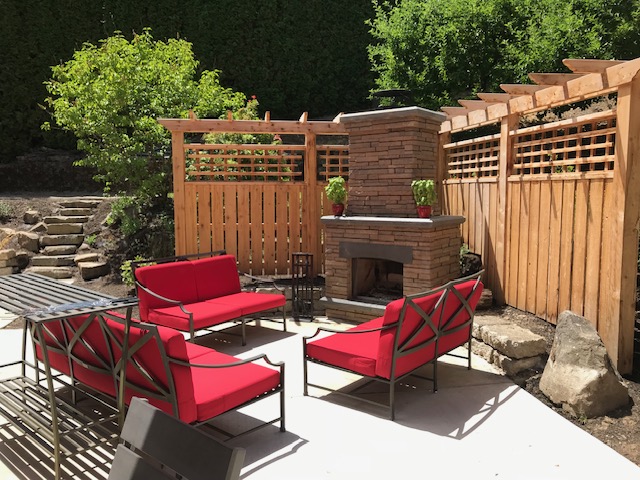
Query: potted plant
x,y
424,193
336,192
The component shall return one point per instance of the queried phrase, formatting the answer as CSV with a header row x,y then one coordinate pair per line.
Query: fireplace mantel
x,y
438,221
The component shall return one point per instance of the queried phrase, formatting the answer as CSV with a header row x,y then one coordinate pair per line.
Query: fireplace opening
x,y
376,281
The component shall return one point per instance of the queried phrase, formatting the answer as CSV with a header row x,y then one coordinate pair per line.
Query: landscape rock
x,y
486,300
31,217
470,263
39,227
10,262
7,271
7,254
76,212
65,219
6,232
514,341
23,258
52,261
91,270
513,366
579,374
480,322
29,241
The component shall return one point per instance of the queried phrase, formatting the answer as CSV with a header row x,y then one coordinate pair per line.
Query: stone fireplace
x,y
380,250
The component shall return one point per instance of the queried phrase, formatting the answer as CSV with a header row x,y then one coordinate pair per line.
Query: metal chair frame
x,y
407,347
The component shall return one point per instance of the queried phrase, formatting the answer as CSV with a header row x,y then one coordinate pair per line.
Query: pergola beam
x,y
553,79
520,89
206,125
588,65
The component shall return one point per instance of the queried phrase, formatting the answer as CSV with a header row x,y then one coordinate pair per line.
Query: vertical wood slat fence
x,y
258,202
553,209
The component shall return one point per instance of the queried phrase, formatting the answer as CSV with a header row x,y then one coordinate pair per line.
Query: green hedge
x,y
294,55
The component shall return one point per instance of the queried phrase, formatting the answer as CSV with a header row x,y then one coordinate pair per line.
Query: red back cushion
x,y
175,281
412,321
445,317
216,276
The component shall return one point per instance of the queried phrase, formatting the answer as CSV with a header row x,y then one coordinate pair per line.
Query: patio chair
x,y
155,445
414,331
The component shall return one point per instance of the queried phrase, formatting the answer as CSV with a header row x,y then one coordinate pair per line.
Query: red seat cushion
x,y
52,333
205,315
216,276
218,390
251,302
450,339
355,352
175,281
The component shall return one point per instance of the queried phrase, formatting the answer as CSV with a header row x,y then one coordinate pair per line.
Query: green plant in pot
x,y
336,192
424,193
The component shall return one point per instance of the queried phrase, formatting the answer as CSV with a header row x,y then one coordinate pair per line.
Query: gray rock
x,y
6,232
91,270
481,322
29,241
486,300
514,341
49,240
579,374
31,217
64,228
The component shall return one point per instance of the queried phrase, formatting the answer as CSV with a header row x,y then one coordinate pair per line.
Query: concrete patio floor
x,y
479,425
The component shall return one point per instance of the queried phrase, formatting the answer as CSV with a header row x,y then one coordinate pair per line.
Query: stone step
x,y
60,250
91,270
65,219
53,261
75,212
49,240
78,203
86,257
53,272
64,228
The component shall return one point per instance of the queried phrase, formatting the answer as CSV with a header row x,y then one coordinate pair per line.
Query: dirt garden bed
x,y
620,429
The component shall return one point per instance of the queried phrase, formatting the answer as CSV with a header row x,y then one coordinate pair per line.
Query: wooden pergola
x,y
567,198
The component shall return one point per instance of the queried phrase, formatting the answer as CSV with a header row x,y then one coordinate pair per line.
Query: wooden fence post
x,y
179,201
311,203
509,123
620,246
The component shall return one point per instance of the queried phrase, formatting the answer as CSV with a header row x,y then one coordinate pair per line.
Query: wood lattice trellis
x,y
554,208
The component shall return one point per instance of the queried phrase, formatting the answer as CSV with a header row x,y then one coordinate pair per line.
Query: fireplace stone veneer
x,y
428,249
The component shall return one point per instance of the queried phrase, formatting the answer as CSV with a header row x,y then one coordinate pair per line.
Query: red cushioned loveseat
x,y
192,382
414,331
195,294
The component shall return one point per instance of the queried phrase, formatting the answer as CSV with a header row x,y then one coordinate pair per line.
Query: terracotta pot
x,y
337,209
424,211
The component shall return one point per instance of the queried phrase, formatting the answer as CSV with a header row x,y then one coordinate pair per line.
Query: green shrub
x,y
126,271
6,212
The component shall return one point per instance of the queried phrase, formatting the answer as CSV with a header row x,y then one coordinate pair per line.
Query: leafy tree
x,y
444,50
110,96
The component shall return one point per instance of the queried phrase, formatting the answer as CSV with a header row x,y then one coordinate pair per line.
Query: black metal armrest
x,y
164,299
238,363
350,332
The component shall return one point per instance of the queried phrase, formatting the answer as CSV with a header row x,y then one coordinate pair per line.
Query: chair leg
x,y
282,424
244,334
305,388
392,401
284,319
435,376
469,355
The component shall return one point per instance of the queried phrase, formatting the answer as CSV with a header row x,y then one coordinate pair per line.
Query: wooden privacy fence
x,y
554,208
259,202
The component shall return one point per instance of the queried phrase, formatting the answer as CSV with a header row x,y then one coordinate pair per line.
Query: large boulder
x,y
579,374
